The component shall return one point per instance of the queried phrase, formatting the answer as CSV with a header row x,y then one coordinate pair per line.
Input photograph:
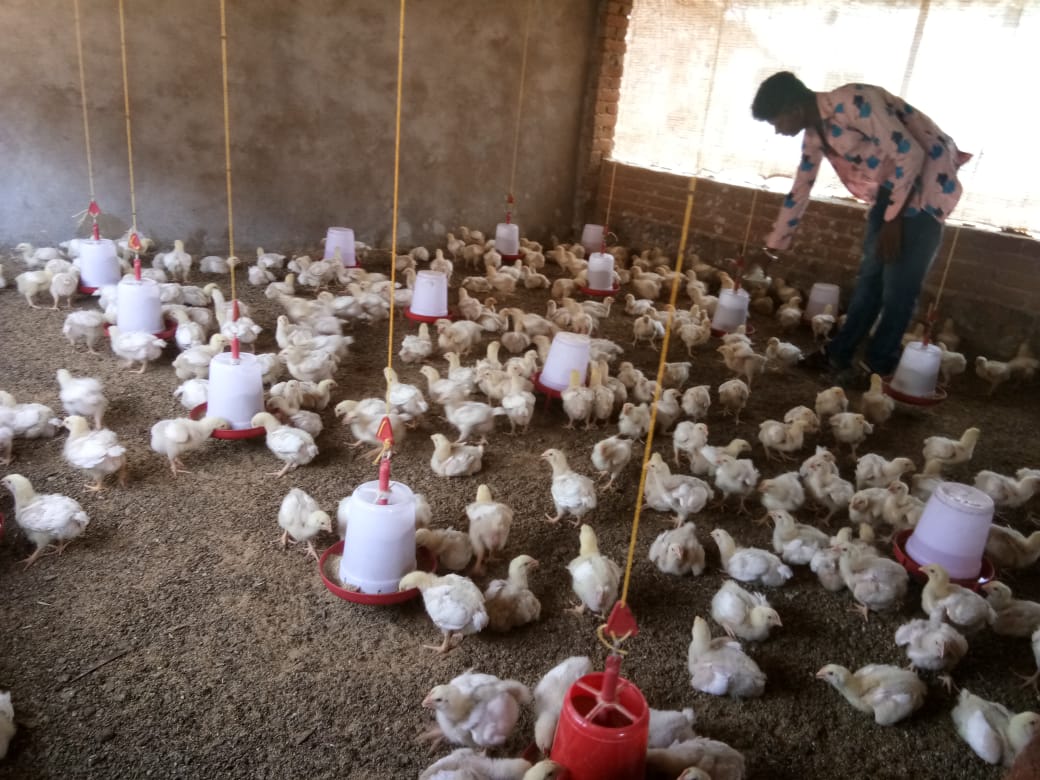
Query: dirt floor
x,y
227,657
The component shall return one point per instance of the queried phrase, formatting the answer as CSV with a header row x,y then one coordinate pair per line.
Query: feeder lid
x,y
964,498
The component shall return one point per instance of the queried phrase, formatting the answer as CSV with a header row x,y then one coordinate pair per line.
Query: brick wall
x,y
993,286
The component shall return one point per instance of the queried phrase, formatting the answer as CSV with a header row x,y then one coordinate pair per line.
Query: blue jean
x,y
890,288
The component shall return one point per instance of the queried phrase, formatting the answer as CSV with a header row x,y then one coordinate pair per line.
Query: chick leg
x,y
55,306
143,368
311,551
177,467
31,302
1031,680
947,682
863,610
285,470
444,646
285,540
98,415
96,486
578,609
550,519
38,553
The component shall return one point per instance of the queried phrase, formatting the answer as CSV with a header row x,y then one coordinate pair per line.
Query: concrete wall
x,y
312,117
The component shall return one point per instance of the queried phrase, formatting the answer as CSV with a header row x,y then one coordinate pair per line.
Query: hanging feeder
x,y
952,532
731,312
916,378
429,298
601,275
821,296
98,265
507,235
592,238
341,238
567,352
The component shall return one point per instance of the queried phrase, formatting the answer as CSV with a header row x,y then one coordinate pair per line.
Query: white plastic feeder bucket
x,y
592,238
430,294
138,306
340,238
820,296
953,530
507,240
568,352
379,546
236,389
732,310
918,370
601,271
98,264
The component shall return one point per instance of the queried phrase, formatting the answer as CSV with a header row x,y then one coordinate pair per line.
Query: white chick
x,y
173,438
736,477
877,583
47,519
828,489
192,393
454,604
7,725
86,325
64,284
668,409
135,347
733,395
679,493
874,471
964,608
408,401
477,710
455,460
696,401
831,401
594,577
688,438
951,364
823,323
742,613
850,428
678,552
577,401
301,519
194,361
699,758
453,549
889,693
610,456
471,417
900,509
781,438
807,415
549,694
867,505
994,372
750,564
292,446
782,492
82,396
28,421
989,728
932,644
466,764
796,543
6,445
416,348
825,563
489,524
706,460
32,283
670,726
1009,491
572,493
782,354
875,405
460,337
634,421
950,452
789,315
720,666
1008,548
510,603
99,452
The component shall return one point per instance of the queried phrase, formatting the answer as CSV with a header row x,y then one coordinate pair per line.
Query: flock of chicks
x,y
478,711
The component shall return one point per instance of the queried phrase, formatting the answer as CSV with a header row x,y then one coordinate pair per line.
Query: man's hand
x,y
770,255
890,240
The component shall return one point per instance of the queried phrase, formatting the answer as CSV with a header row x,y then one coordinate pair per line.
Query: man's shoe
x,y
815,361
851,378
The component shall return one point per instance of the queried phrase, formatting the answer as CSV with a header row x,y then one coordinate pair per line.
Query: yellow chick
x,y
963,608
950,452
850,428
889,693
455,460
1011,616
453,549
577,401
733,396
993,372
610,456
510,603
831,401
489,524
1008,548
594,577
989,728
781,438
875,405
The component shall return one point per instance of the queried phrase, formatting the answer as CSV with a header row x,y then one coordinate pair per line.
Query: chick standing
x,y
510,603
887,692
477,710
174,437
594,577
489,524
82,396
549,694
453,602
45,518
99,452
290,445
300,517
572,493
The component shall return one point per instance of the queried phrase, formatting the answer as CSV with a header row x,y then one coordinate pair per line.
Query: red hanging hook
x,y
385,434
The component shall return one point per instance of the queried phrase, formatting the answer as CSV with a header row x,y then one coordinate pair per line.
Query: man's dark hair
x,y
777,94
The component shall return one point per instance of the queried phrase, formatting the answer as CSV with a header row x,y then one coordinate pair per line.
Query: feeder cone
x,y
604,727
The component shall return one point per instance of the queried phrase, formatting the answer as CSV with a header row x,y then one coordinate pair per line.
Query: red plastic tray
x,y
87,290
424,559
165,335
599,293
246,433
749,330
937,397
987,573
423,318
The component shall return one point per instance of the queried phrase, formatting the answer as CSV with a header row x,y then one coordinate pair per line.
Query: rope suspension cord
x,y
647,450
83,101
227,148
129,138
946,270
519,109
610,203
750,219
393,223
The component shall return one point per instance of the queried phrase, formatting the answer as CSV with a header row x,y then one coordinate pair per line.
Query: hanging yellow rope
x,y
520,98
610,199
126,113
946,270
83,99
751,218
647,450
227,147
393,224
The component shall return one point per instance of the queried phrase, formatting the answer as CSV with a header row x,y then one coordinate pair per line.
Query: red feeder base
x,y
245,433
423,318
937,397
599,740
424,559
598,293
749,330
87,290
167,334
510,258
987,573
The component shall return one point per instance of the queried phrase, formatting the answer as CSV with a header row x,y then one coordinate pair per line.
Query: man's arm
x,y
798,198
